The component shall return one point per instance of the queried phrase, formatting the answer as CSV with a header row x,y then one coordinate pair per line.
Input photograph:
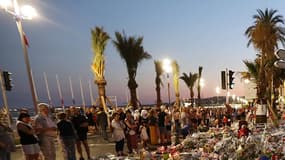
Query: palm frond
x,y
99,41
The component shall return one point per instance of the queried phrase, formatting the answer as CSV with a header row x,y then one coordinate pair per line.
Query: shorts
x,y
31,148
82,137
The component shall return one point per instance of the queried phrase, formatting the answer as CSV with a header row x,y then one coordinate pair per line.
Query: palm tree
x,y
264,35
199,85
175,70
252,70
190,82
133,53
99,42
158,82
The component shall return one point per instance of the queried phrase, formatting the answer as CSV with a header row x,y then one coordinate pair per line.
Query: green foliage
x,y
99,42
133,53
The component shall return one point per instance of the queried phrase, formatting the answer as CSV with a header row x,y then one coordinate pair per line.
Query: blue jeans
x,y
68,147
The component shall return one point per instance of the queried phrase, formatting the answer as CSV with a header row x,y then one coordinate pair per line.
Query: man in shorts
x,y
46,130
80,123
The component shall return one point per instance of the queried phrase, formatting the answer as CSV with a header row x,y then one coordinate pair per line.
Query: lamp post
x,y
218,91
234,98
26,12
202,83
166,66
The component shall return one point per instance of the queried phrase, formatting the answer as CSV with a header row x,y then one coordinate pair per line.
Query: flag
x,y
26,41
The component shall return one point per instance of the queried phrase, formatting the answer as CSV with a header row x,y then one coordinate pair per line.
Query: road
x,y
98,146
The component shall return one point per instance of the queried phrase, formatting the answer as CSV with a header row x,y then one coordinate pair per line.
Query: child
x,y
144,136
243,131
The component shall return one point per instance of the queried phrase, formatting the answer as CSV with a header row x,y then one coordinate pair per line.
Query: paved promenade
x,y
98,146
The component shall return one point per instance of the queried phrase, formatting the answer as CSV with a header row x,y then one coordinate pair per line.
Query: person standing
x,y
46,131
131,134
161,125
102,120
28,138
80,123
118,128
6,142
90,117
153,130
67,136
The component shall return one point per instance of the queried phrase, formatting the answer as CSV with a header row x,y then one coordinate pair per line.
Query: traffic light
x,y
7,80
231,79
223,78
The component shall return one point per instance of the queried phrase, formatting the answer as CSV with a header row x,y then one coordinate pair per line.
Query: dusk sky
x,y
194,33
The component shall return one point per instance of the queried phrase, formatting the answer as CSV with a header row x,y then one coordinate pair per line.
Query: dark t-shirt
x,y
161,119
77,121
152,120
65,129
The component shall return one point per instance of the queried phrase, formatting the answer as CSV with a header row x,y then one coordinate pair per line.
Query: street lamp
x,y
218,91
26,12
234,98
202,85
166,66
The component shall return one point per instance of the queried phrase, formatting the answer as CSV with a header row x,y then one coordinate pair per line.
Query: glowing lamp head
x,y
166,65
28,12
5,4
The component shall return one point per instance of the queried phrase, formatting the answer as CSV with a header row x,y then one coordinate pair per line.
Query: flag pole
x,y
82,95
59,92
91,94
47,87
71,90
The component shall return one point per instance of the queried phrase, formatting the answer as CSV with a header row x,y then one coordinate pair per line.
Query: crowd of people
x,y
145,126
158,125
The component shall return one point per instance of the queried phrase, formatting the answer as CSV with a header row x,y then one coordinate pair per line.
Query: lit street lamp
x,y
218,91
26,12
166,66
234,98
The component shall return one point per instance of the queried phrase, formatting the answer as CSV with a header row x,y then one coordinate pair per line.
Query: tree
x,y
133,53
264,35
199,85
175,69
252,70
158,82
190,82
99,42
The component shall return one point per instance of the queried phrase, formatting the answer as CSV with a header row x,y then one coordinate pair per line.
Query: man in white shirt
x,y
46,131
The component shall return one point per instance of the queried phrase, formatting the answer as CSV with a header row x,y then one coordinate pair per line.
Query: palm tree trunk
x,y
102,91
177,99
192,97
158,96
133,92
102,95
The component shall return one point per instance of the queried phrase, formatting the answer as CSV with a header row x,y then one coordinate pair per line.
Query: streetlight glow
x,y
166,65
234,97
218,91
202,82
28,12
246,81
5,4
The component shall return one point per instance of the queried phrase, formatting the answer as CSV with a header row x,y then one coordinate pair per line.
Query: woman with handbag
x,y
131,134
28,138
